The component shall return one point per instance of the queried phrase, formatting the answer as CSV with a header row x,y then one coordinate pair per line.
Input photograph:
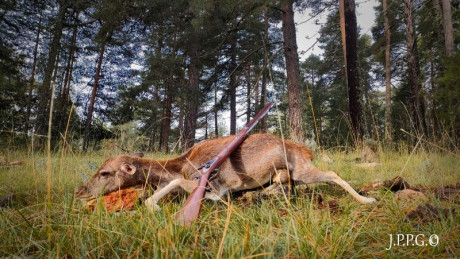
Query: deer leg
x,y
187,185
316,176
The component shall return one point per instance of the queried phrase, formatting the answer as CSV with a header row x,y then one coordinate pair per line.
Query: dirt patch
x,y
427,212
448,192
414,199
396,184
7,200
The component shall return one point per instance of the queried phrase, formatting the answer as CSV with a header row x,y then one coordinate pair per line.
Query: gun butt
x,y
192,206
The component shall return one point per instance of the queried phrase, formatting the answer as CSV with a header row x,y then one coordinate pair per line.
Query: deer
x,y
260,160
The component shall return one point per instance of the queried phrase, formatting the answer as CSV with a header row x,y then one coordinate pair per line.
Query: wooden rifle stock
x,y
192,205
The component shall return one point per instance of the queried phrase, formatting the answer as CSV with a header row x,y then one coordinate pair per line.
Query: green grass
x,y
272,228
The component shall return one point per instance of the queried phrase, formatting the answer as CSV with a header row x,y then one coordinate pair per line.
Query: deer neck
x,y
157,172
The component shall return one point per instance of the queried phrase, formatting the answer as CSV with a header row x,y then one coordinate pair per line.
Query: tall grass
x,y
270,228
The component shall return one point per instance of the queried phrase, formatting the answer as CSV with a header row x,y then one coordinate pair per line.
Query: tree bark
x,y
166,121
388,136
216,124
32,75
351,66
263,90
155,101
44,90
293,72
248,92
89,116
181,122
313,109
232,85
447,26
412,66
192,101
256,90
64,97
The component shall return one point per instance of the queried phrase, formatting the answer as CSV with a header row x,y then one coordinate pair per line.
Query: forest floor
x,y
271,226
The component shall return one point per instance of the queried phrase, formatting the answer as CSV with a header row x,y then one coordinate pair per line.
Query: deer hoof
x,y
369,200
151,205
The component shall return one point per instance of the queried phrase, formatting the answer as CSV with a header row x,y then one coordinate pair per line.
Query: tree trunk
x,y
216,124
206,126
32,75
412,66
153,120
293,72
447,26
64,97
181,122
166,121
312,108
263,90
232,85
352,71
256,93
89,116
388,136
192,101
155,101
248,96
435,124
44,90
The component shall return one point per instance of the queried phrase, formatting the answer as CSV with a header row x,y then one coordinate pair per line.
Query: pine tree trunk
x,y
181,122
412,66
89,116
192,101
352,71
166,122
313,114
44,90
435,124
293,72
232,85
64,97
265,68
32,75
388,136
248,96
155,101
256,92
206,126
216,124
447,26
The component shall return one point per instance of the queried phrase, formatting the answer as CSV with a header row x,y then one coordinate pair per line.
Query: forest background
x,y
165,75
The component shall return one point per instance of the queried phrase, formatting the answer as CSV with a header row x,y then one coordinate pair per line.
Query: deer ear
x,y
128,169
140,154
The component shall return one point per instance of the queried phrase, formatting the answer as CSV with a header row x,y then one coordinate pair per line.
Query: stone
x,y
410,195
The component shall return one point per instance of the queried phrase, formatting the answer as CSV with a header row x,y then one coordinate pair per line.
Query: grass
x,y
273,228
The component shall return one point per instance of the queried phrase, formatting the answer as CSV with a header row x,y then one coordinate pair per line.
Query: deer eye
x,y
105,173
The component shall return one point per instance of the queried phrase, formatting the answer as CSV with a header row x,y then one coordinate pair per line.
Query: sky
x,y
307,31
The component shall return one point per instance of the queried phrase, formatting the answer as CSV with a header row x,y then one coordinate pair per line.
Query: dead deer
x,y
261,159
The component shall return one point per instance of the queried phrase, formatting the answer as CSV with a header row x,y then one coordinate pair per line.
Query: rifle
x,y
192,205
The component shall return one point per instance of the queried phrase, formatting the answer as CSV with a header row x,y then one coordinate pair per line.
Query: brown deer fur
x,y
261,159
